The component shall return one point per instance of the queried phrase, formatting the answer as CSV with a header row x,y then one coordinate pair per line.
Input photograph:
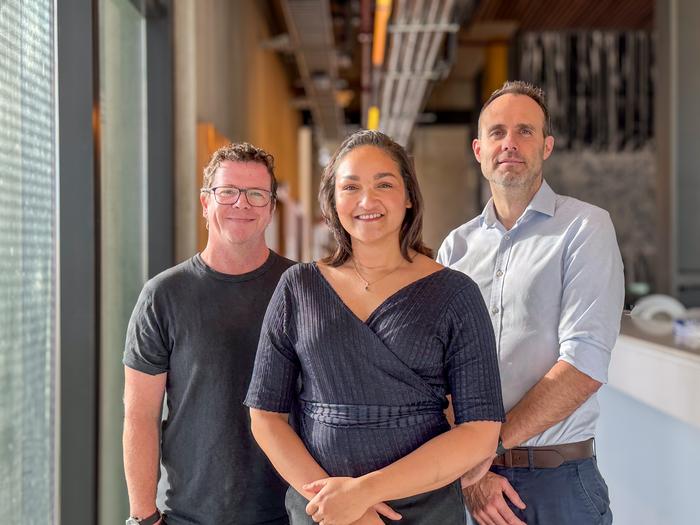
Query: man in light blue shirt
x,y
550,272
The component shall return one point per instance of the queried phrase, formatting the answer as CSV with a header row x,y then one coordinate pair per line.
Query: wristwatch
x,y
500,449
150,520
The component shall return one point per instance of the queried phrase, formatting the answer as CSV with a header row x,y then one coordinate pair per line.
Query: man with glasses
x,y
193,336
550,272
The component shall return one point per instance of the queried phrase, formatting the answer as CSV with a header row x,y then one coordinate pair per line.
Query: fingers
x,y
315,486
386,510
488,505
513,496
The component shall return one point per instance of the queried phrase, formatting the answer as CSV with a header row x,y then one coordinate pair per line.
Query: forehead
x,y
245,174
513,109
367,160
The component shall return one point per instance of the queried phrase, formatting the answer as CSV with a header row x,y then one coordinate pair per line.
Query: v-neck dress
x,y
369,393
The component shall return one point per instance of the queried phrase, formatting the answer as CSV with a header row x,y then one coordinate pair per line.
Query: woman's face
x,y
370,195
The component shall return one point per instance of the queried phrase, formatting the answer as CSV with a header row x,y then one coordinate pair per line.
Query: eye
x,y
385,185
255,194
348,187
227,192
496,133
526,131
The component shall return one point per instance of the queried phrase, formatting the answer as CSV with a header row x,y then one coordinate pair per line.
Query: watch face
x,y
132,521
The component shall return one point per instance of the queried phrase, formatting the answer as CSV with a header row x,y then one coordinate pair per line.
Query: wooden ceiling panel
x,y
543,15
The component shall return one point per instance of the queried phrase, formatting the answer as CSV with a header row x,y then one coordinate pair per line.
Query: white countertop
x,y
651,366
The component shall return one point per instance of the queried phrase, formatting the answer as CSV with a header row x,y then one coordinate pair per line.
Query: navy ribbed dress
x,y
372,392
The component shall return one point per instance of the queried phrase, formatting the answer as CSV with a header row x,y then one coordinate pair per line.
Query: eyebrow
x,y
521,125
380,175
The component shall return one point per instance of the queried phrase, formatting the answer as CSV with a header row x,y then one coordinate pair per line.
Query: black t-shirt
x,y
202,327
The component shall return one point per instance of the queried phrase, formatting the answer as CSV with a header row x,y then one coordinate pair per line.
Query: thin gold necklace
x,y
367,283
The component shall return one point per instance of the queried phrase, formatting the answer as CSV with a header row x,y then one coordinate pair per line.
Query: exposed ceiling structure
x,y
419,31
433,53
545,15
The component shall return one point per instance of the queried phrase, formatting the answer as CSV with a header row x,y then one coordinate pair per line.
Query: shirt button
x,y
494,310
507,237
499,273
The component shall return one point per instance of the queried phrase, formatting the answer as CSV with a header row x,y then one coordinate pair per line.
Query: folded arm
x,y
433,465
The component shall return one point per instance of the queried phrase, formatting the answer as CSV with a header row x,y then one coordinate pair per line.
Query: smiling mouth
x,y
369,216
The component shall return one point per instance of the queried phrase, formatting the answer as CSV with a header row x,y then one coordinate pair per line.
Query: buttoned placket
x,y
498,279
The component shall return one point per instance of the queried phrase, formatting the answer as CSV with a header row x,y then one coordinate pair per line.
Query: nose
x,y
368,197
509,143
242,201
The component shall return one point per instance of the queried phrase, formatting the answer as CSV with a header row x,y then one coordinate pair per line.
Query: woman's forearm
x,y
285,450
436,463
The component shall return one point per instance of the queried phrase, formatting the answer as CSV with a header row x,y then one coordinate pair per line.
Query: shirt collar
x,y
544,201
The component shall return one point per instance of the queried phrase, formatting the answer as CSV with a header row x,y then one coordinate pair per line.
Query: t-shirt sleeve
x,y
471,362
146,348
273,383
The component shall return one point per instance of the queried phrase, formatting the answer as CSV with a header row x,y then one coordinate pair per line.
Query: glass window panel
x,y
27,260
123,197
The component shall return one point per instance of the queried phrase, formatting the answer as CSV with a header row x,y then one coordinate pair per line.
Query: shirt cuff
x,y
591,359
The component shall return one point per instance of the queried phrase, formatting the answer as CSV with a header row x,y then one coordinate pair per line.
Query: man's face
x,y
239,223
511,146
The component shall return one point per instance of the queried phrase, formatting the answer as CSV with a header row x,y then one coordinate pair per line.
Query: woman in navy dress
x,y
364,348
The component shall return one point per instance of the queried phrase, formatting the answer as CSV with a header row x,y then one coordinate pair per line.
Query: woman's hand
x,y
371,517
341,501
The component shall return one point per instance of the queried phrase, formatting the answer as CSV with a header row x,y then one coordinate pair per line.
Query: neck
x,y
510,201
383,255
235,259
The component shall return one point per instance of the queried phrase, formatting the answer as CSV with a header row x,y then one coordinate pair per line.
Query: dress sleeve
x,y
592,297
273,383
471,362
146,349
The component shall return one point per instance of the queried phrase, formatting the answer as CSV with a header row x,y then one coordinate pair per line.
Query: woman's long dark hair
x,y
410,236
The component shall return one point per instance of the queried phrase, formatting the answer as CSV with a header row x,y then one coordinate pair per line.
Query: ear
x,y
204,199
548,147
476,148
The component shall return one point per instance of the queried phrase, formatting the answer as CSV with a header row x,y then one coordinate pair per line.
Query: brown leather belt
x,y
545,457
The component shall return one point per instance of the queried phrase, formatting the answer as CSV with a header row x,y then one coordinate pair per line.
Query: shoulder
x,y
455,244
465,230
172,279
280,261
455,286
298,274
579,213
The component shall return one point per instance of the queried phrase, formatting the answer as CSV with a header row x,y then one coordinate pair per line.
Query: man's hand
x,y
487,504
340,501
475,474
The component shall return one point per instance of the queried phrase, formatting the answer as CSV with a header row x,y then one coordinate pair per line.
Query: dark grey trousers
x,y
442,506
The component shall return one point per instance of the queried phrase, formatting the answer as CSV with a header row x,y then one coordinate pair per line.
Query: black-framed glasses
x,y
230,195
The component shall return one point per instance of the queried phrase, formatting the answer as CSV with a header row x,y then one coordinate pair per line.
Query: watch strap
x,y
500,449
149,520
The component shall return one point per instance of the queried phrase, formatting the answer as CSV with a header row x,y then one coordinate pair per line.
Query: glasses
x,y
230,195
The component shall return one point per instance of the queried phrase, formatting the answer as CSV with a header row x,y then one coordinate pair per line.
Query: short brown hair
x,y
520,87
410,236
241,152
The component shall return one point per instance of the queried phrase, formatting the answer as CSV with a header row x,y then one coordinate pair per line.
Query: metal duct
x,y
310,28
417,32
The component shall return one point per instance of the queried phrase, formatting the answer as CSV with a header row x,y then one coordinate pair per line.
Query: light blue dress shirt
x,y
554,286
